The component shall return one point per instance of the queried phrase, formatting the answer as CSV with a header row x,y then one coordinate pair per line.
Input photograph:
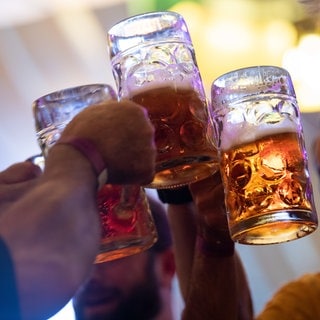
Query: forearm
x,y
182,224
213,290
52,231
213,286
218,287
60,215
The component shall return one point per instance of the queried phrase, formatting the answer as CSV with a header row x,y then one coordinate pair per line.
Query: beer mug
x,y
268,192
154,65
127,226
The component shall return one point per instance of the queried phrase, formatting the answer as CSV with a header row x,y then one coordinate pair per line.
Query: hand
x,y
123,135
15,181
212,221
217,277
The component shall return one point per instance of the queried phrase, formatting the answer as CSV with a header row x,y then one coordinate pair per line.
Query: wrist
x,y
88,149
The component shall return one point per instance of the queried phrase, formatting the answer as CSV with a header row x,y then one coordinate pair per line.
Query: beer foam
x,y
135,90
235,134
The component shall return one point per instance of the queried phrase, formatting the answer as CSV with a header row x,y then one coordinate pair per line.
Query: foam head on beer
x,y
268,192
239,129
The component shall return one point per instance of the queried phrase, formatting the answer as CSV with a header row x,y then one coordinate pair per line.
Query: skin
x,y
213,285
50,222
15,181
123,137
114,293
134,287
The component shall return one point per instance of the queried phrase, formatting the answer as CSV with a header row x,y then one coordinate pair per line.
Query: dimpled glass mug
x,y
264,168
154,65
127,225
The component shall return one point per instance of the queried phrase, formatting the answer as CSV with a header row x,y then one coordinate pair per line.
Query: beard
x,y
143,302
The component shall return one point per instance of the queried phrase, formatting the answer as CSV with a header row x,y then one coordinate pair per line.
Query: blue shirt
x,y
9,301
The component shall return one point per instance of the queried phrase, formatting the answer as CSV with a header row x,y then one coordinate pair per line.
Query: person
x,y
211,276
49,224
295,300
212,279
134,287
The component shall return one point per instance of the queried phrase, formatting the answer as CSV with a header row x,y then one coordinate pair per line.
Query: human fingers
x,y
208,195
123,135
19,172
135,146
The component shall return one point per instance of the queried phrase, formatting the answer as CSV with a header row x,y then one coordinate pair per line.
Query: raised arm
x,y
52,230
212,278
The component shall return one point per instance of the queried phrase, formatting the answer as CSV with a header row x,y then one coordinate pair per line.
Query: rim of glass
x,y
73,92
226,75
142,24
248,82
147,28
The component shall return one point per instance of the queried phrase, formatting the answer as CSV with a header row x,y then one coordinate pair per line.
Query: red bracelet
x,y
90,151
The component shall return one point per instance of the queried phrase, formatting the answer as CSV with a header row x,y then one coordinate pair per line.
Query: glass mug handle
x,y
37,159
124,213
128,198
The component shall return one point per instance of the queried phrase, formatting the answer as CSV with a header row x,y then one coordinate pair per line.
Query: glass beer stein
x,y
264,167
127,226
154,65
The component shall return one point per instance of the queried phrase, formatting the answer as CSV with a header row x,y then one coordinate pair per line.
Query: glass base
x,y
275,227
183,174
118,249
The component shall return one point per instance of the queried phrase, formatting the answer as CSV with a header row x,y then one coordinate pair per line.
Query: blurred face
x,y
119,290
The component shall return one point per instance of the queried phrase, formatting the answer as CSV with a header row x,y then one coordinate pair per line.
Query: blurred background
x,y
46,45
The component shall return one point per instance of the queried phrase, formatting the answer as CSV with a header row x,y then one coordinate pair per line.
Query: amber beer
x,y
124,230
153,63
186,152
264,176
